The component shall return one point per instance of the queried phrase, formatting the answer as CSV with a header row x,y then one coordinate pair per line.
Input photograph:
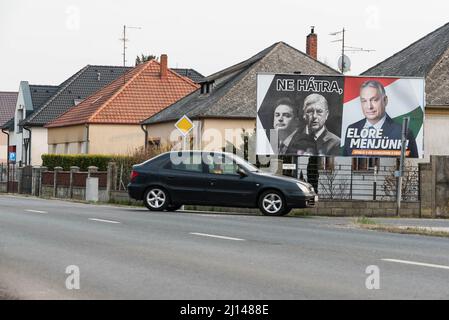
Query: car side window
x,y
190,163
218,164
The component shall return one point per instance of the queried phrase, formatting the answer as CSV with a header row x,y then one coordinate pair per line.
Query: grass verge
x,y
366,223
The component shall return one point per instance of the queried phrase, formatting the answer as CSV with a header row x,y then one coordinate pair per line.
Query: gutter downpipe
x,y
7,162
142,126
28,155
87,138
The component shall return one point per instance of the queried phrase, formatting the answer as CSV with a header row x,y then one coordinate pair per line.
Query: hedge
x,y
80,160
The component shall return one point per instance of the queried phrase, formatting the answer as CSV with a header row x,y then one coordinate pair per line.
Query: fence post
x,y
34,180
55,179
73,170
110,178
92,185
90,170
41,171
19,179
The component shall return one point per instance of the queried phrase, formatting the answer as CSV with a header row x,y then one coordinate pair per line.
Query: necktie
x,y
282,147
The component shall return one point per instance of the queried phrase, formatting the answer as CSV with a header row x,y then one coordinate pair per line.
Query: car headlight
x,y
302,187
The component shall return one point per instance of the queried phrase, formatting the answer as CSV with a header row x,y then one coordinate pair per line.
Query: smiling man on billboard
x,y
377,131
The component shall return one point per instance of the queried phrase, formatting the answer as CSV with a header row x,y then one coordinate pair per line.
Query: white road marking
x,y
36,211
101,220
215,236
418,263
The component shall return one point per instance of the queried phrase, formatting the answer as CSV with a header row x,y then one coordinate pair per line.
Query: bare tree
x,y
410,183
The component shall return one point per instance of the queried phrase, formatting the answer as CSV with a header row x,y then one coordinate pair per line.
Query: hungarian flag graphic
x,y
373,112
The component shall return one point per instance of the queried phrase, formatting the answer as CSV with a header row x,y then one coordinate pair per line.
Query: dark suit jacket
x,y
301,144
328,144
304,144
391,129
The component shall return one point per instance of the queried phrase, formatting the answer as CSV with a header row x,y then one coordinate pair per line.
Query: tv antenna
x,y
125,40
344,63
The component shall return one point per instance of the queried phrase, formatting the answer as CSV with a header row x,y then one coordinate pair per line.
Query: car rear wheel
x,y
156,199
272,203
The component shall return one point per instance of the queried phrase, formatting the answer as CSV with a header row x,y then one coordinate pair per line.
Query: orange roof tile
x,y
129,99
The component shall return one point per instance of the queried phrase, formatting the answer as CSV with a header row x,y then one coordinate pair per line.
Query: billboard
x,y
338,115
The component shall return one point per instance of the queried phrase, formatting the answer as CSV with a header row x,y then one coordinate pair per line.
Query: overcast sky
x,y
46,41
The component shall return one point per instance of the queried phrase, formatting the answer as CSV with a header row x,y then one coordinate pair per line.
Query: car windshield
x,y
241,162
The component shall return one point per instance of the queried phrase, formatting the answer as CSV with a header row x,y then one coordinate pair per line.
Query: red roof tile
x,y
129,99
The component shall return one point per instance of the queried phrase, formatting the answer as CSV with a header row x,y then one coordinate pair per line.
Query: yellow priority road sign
x,y
184,125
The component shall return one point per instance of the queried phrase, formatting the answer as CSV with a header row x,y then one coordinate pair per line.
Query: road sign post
x,y
405,122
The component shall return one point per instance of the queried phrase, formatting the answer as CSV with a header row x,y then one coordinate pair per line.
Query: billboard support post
x,y
405,122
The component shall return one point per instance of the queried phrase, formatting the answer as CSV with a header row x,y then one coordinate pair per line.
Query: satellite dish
x,y
347,63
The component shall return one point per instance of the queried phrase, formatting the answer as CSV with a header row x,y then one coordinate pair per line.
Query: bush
x,y
80,160
83,161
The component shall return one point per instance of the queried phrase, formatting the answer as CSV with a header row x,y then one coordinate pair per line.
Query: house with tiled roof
x,y
427,57
108,122
226,101
7,106
192,74
29,99
38,105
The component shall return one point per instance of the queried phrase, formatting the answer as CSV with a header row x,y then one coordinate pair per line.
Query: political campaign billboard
x,y
338,115
373,111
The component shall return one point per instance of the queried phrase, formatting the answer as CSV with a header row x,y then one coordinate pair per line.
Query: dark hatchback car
x,y
173,179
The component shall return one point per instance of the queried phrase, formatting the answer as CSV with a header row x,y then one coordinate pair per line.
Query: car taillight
x,y
134,175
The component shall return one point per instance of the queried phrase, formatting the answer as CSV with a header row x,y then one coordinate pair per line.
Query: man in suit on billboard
x,y
316,139
285,122
374,101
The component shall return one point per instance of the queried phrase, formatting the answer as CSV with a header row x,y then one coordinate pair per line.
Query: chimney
x,y
312,44
164,67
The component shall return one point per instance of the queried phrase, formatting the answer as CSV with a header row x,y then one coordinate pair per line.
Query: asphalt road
x,y
131,253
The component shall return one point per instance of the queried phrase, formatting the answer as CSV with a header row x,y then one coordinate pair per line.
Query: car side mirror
x,y
241,172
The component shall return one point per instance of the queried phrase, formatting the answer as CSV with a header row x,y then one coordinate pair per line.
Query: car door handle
x,y
170,178
212,182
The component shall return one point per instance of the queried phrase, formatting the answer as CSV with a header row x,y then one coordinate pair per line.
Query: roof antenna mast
x,y
125,40
344,63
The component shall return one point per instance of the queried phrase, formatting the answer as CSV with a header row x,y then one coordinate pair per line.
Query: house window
x,y
327,163
206,87
154,142
365,164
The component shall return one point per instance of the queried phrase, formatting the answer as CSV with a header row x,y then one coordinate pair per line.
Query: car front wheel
x,y
272,203
156,199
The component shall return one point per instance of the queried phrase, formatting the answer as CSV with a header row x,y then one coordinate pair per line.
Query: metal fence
x,y
9,176
342,182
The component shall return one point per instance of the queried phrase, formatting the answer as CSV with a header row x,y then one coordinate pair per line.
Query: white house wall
x,y
39,144
436,135
23,101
